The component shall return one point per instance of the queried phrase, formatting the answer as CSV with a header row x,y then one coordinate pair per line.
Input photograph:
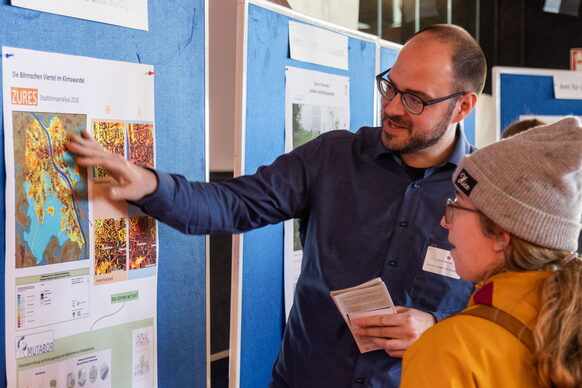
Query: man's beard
x,y
416,141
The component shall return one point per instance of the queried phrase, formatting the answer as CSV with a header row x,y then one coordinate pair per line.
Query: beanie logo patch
x,y
465,182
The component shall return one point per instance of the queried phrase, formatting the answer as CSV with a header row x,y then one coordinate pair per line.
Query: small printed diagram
x,y
141,144
310,121
51,222
91,370
111,135
143,357
110,245
142,242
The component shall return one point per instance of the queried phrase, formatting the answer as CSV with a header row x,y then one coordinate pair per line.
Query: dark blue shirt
x,y
361,216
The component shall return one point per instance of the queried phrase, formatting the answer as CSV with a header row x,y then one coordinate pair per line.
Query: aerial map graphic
x,y
110,245
51,220
142,242
111,135
141,144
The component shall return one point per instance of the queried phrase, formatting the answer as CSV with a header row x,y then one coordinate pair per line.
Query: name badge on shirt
x,y
441,262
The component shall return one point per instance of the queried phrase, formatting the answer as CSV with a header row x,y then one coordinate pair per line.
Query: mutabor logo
x,y
34,344
465,182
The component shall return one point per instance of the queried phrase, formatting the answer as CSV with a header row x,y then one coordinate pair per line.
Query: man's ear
x,y
466,104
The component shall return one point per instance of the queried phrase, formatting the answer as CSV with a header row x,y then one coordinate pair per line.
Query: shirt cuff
x,y
438,316
160,197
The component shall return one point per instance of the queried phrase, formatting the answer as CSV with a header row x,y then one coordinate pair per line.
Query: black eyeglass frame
x,y
452,204
380,78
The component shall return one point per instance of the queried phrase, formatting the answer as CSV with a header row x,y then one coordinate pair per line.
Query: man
x,y
369,205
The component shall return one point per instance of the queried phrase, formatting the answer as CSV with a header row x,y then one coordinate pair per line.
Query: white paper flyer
x,y
81,270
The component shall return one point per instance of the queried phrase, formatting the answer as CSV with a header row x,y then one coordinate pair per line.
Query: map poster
x,y
80,269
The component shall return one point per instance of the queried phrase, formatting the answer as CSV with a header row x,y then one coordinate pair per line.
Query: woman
x,y
514,226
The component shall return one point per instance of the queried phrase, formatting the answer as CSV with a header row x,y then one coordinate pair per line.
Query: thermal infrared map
x,y
51,191
142,242
110,245
110,134
141,144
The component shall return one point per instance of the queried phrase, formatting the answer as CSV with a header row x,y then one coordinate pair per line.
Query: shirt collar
x,y
462,147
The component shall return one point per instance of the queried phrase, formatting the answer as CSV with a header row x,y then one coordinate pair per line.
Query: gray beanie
x,y
530,184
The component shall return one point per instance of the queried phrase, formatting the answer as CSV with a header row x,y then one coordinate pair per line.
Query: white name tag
x,y
441,262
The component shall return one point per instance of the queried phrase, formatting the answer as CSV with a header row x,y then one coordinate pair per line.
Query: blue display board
x,y
388,53
522,91
175,45
262,316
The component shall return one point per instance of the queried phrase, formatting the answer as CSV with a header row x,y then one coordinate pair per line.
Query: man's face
x,y
423,68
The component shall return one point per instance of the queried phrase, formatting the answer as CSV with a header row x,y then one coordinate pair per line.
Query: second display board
x,y
258,256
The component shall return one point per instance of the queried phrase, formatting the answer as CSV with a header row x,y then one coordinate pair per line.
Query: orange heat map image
x,y
110,245
51,222
141,144
142,242
111,135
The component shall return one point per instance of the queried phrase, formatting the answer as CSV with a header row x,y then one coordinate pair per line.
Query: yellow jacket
x,y
466,351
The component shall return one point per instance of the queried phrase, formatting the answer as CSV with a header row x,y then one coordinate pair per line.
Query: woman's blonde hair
x,y
558,331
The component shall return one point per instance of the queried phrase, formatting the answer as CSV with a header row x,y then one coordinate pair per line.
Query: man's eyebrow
x,y
418,93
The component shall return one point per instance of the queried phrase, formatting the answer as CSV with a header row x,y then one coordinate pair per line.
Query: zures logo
x,y
23,96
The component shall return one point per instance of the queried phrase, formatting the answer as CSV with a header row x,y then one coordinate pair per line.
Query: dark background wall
x,y
511,32
519,33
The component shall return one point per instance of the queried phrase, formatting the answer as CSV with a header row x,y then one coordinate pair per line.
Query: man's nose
x,y
394,107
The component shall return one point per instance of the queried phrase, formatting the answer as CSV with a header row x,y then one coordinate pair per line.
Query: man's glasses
x,y
450,205
412,103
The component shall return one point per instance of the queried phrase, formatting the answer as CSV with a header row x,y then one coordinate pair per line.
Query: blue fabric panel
x,y
522,94
263,316
470,123
387,58
175,46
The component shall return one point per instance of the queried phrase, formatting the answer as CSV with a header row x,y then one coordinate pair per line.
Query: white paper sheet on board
x,y
568,85
315,102
126,13
316,45
80,269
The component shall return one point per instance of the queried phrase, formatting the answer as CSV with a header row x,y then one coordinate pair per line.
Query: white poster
x,y
81,270
315,103
316,45
126,13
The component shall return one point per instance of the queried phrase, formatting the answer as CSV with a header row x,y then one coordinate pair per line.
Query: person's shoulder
x,y
346,134
453,333
459,331
364,135
338,142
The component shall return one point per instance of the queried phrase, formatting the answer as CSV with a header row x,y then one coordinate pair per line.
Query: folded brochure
x,y
367,299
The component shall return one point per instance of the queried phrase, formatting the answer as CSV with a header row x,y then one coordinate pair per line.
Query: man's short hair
x,y
467,58
521,126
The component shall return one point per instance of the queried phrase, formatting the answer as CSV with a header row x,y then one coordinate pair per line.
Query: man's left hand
x,y
394,332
